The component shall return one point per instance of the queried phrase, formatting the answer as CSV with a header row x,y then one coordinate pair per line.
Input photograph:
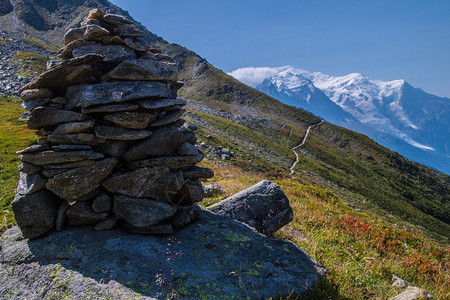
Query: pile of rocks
x,y
111,148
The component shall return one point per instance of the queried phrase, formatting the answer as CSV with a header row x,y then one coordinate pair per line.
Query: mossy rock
x,y
214,258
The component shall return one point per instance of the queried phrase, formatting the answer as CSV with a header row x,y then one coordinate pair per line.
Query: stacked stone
x,y
111,147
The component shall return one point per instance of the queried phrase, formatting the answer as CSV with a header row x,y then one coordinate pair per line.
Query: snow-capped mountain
x,y
393,113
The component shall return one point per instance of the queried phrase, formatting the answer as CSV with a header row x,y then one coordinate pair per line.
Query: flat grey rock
x,y
77,184
173,162
171,117
109,108
73,127
163,142
43,116
157,183
131,119
111,53
161,103
69,72
77,138
198,172
116,20
113,148
263,206
114,92
32,104
32,94
141,212
71,147
58,157
145,69
218,257
120,134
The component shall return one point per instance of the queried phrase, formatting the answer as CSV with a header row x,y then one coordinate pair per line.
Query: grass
x,y
361,250
14,136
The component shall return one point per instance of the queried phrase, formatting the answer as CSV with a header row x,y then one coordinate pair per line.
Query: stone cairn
x,y
112,148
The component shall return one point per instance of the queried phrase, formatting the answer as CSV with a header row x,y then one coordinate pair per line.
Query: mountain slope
x,y
403,118
262,130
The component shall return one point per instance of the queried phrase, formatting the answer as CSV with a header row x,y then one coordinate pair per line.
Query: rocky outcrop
x,y
263,206
413,293
111,143
213,258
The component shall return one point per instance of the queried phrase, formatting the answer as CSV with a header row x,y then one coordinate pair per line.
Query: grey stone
x,y
187,149
173,162
79,183
34,148
73,127
67,51
198,172
213,249
111,53
95,33
73,34
29,184
113,148
95,14
102,203
81,213
161,103
32,104
58,157
114,92
121,134
61,216
66,74
263,206
35,214
109,223
413,293
79,138
190,193
42,117
116,20
185,215
157,183
398,282
71,147
164,57
33,94
109,108
53,172
70,165
25,116
163,142
169,118
160,228
58,100
132,119
125,31
28,168
145,69
141,212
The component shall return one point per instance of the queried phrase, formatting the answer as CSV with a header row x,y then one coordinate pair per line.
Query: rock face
x,y
111,143
263,206
212,258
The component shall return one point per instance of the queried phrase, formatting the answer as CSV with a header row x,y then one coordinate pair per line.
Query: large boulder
x,y
263,206
213,258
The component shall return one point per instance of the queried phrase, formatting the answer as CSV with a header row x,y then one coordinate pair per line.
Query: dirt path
x,y
301,144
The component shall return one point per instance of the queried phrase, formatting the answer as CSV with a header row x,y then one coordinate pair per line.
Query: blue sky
x,y
386,40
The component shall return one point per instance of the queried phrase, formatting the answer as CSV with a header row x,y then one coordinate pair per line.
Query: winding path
x,y
301,144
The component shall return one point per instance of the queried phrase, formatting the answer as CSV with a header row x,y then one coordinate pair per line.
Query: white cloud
x,y
252,76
